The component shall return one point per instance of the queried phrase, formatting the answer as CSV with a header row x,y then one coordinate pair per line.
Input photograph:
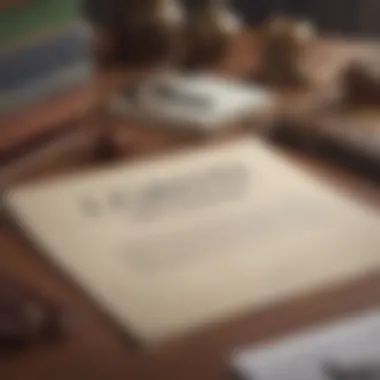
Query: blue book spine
x,y
22,66
57,81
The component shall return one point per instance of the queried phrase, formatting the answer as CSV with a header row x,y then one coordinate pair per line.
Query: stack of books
x,y
45,51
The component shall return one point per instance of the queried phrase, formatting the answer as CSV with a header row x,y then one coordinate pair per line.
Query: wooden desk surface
x,y
96,351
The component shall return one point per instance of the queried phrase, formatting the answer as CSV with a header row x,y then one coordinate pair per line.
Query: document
x,y
173,244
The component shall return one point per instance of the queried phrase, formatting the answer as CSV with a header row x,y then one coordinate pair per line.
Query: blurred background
x,y
49,81
342,16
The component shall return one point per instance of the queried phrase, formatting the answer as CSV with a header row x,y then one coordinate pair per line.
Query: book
x,y
348,347
171,245
192,102
24,64
61,80
19,129
35,16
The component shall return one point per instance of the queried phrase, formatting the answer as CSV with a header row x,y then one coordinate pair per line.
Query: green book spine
x,y
23,22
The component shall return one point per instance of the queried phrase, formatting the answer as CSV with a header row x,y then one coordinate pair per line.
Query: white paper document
x,y
169,245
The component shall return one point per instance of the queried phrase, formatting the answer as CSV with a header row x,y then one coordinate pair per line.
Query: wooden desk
x,y
96,351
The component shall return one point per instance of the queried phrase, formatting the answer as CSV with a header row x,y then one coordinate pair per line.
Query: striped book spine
x,y
46,69
55,82
35,71
22,65
44,118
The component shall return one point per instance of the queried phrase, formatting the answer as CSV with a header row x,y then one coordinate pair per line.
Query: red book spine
x,y
30,124
9,4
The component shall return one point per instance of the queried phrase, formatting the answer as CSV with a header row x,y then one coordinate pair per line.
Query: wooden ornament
x,y
208,33
142,32
284,41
